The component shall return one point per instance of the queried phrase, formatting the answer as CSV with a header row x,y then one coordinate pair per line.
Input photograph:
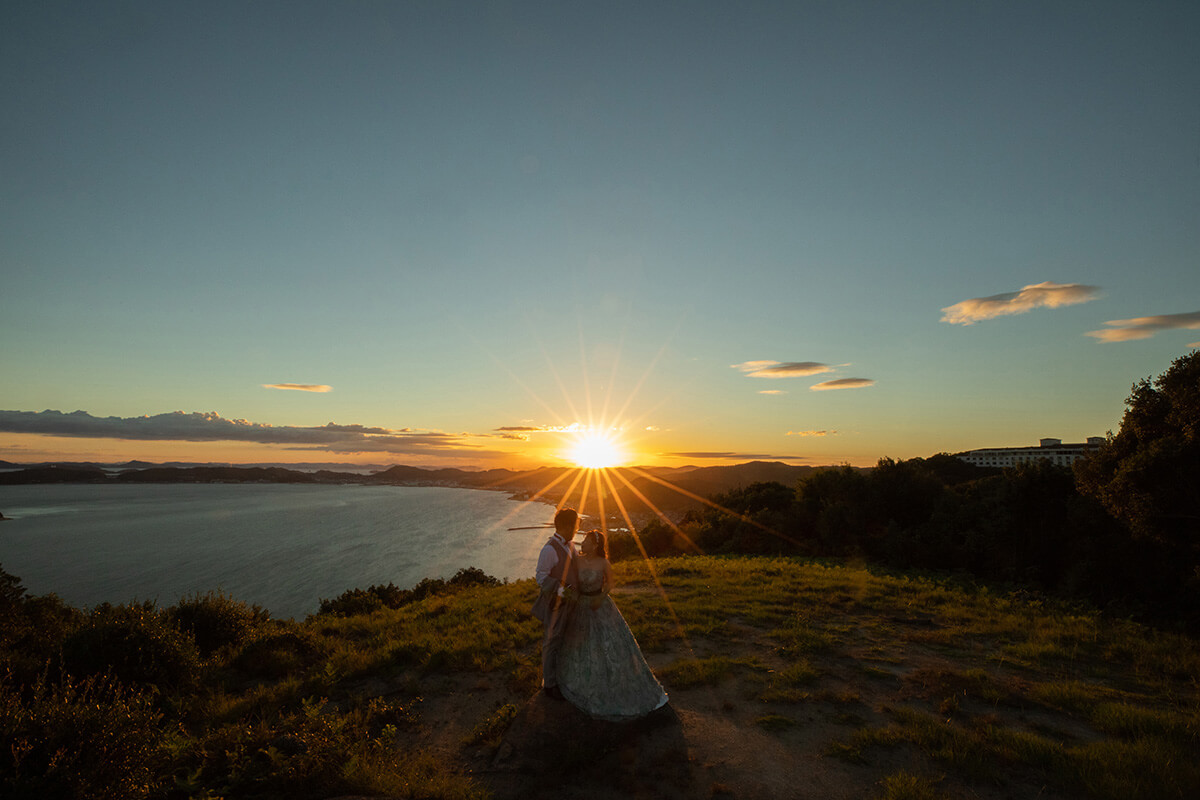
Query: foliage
x,y
1147,474
375,598
78,738
31,628
278,651
216,620
137,644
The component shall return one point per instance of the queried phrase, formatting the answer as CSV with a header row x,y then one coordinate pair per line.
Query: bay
x,y
284,547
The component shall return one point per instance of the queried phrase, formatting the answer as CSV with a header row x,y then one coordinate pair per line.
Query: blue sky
x,y
479,223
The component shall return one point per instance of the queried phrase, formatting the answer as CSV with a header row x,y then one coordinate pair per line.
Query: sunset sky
x,y
441,233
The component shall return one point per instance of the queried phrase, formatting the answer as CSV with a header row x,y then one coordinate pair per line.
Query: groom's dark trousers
x,y
556,625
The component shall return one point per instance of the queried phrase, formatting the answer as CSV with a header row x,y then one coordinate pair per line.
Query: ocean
x,y
284,547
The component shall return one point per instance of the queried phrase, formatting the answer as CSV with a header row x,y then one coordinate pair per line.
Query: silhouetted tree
x,y
1148,474
759,518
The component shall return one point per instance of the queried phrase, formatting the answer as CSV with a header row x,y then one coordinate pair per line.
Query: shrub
x,y
275,654
136,643
216,620
354,602
374,598
90,738
467,577
32,629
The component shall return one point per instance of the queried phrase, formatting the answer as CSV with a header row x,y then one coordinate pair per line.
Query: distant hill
x,y
641,489
54,474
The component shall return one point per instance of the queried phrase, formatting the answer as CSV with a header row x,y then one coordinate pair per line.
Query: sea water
x,y
284,547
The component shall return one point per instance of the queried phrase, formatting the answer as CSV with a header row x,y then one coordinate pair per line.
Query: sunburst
x,y
602,484
597,450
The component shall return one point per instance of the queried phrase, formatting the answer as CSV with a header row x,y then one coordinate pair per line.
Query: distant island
x,y
667,489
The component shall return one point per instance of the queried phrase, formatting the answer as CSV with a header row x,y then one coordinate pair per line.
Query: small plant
x,y
775,723
490,730
906,786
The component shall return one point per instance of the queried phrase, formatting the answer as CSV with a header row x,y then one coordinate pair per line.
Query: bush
x,y
467,577
374,598
32,629
90,738
136,643
276,654
215,620
354,602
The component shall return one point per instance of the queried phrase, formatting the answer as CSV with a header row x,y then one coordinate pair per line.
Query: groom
x,y
558,579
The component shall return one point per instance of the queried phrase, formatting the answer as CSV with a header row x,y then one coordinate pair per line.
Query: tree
x,y
1148,474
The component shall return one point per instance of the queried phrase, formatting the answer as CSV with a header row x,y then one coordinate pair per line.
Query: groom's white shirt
x,y
548,558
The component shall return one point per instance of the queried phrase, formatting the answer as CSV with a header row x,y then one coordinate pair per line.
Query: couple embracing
x,y
589,655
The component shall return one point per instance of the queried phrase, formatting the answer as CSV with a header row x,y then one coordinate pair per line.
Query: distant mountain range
x,y
640,489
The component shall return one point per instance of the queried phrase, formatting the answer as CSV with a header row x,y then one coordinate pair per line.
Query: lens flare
x,y
593,450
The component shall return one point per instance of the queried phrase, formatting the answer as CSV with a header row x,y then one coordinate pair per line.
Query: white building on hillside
x,y
1052,450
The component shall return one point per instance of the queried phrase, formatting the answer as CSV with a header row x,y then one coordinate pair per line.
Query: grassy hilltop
x,y
787,677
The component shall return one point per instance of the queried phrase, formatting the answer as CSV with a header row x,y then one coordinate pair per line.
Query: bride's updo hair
x,y
601,542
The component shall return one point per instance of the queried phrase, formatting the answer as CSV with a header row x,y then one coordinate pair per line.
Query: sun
x,y
592,450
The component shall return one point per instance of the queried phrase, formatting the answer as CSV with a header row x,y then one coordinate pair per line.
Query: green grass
x,y
775,723
687,673
906,786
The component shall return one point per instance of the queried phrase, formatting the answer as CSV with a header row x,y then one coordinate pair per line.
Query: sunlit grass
x,y
691,672
906,786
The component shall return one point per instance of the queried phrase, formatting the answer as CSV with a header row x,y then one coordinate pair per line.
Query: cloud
x,y
211,427
574,427
843,383
299,387
811,433
772,391
1039,295
1126,330
776,369
704,454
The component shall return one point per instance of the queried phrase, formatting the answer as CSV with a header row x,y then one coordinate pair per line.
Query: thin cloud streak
x,y
777,369
299,387
1127,330
843,383
1038,295
811,433
707,454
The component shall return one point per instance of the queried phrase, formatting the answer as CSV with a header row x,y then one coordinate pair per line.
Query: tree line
x,y
1121,529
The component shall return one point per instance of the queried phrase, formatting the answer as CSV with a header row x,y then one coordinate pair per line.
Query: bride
x,y
601,669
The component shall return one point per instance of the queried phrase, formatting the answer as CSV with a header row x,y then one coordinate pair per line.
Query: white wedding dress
x,y
601,669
